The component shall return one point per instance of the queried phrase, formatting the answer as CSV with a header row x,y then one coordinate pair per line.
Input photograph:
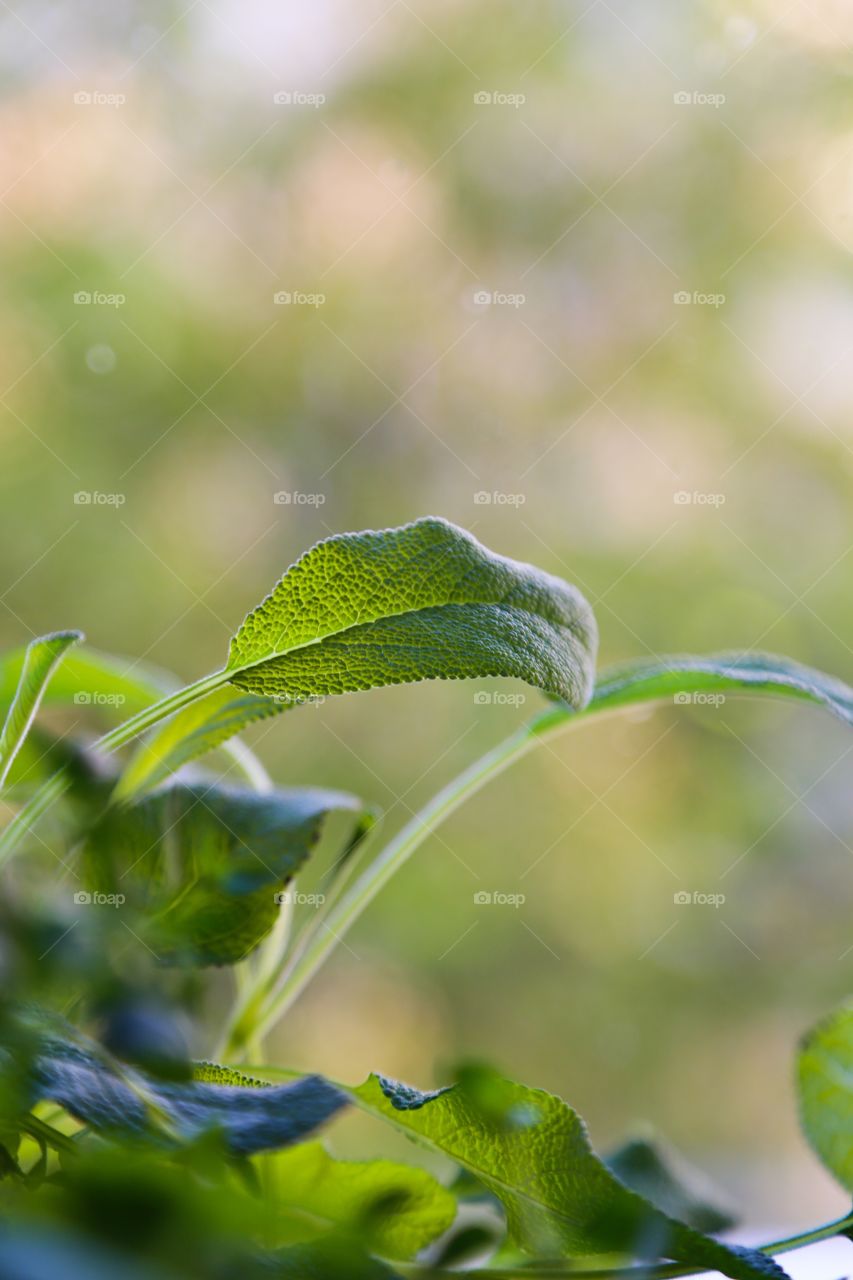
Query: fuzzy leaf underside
x,y
533,1153
424,601
825,1092
115,1098
41,657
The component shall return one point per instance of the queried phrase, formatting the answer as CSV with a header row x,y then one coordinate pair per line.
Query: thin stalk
x,y
344,913
41,801
668,1271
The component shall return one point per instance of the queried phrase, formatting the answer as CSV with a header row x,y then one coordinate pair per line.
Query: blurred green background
x,y
583,260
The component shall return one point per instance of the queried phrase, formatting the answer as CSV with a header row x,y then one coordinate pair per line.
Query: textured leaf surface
x,y
113,1097
202,864
40,659
420,602
395,1209
720,673
825,1089
648,1168
531,1149
191,733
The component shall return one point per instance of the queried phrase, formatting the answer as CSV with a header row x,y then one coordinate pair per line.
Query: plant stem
x,y
41,801
668,1271
364,889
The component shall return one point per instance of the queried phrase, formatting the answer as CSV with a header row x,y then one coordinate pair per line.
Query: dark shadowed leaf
x,y
656,1173
203,865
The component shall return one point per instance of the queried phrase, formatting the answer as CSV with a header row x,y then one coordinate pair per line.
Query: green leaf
x,y
41,657
394,1209
115,1098
115,686
191,733
647,681
204,865
825,1090
656,1173
423,601
531,1149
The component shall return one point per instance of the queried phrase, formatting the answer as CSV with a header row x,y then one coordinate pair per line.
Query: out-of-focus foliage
x,y
688,464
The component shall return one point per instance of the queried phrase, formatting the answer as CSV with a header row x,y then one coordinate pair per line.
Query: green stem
x,y
364,889
46,1133
41,801
669,1271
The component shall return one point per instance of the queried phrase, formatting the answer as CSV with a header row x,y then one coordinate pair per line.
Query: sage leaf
x,y
825,1092
531,1149
189,734
423,601
749,673
113,685
395,1209
204,865
649,1168
40,659
115,1098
